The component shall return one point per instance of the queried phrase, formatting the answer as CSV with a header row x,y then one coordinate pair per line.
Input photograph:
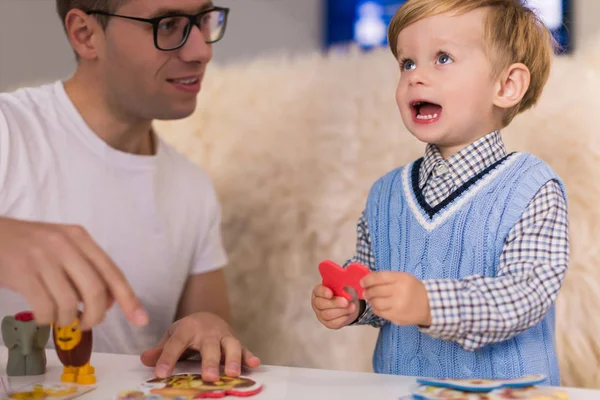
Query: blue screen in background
x,y
364,22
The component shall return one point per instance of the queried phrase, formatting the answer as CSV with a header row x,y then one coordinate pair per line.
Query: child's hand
x,y
333,312
397,297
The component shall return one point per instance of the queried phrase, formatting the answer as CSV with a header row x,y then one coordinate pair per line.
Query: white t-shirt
x,y
158,217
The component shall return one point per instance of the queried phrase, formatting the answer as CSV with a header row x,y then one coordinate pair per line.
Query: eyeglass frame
x,y
156,20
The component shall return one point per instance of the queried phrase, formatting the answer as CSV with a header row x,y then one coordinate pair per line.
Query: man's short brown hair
x,y
64,6
512,32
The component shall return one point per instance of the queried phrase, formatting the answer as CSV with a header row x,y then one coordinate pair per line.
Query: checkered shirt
x,y
477,310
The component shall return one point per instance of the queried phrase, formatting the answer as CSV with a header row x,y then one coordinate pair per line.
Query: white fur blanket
x,y
293,146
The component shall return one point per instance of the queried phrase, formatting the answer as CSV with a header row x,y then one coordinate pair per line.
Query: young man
x,y
95,208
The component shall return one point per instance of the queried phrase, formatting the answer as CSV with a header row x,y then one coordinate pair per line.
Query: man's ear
x,y
83,32
512,86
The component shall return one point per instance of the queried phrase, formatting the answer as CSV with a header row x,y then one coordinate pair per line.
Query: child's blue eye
x,y
408,65
444,59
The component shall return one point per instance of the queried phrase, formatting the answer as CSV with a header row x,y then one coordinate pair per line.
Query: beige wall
x,y
33,48
587,19
32,44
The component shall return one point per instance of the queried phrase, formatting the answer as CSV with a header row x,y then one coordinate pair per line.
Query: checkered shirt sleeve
x,y
364,255
477,310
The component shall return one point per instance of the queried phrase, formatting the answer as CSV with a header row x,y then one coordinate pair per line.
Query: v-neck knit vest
x,y
462,236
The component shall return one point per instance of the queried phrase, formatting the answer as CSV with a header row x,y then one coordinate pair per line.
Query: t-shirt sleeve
x,y
210,252
4,155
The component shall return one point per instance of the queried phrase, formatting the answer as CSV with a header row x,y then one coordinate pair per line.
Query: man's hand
x,y
207,334
333,312
397,297
57,267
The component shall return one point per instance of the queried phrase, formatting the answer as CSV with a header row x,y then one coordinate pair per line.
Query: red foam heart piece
x,y
338,278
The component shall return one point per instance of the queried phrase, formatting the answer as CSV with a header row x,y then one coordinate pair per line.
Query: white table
x,y
115,373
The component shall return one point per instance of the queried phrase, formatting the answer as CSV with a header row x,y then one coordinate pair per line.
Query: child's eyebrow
x,y
440,42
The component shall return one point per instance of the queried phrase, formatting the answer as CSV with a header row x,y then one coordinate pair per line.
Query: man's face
x,y
142,81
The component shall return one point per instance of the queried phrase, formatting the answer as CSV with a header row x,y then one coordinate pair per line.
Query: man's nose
x,y
195,48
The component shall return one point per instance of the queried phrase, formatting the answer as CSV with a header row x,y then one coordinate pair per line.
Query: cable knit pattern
x,y
462,237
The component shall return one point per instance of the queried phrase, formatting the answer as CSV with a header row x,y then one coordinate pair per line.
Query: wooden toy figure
x,y
74,349
26,342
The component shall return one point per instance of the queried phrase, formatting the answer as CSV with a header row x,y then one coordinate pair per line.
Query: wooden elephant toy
x,y
26,342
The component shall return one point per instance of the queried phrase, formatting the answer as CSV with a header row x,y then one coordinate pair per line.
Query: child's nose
x,y
418,77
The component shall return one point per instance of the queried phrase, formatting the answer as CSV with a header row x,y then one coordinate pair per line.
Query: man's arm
x,y
202,327
206,289
205,292
56,267
202,323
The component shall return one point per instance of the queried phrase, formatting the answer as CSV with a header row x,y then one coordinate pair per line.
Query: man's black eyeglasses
x,y
172,31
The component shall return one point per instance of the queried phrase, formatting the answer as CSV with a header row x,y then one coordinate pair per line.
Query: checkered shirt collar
x,y
466,163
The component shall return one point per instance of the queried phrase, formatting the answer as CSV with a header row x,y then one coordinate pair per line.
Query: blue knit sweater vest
x,y
464,235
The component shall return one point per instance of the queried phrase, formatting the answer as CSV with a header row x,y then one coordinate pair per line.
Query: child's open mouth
x,y
425,112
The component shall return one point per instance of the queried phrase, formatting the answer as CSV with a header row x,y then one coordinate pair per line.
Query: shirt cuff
x,y
444,304
369,318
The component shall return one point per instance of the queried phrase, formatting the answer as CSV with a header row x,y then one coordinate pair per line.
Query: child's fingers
x,y
322,291
335,313
379,278
374,292
382,304
322,304
338,323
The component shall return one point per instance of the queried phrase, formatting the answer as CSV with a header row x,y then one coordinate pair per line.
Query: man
x,y
96,209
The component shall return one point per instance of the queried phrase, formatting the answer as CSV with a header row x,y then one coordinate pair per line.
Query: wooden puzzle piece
x,y
187,386
483,385
442,393
47,390
529,393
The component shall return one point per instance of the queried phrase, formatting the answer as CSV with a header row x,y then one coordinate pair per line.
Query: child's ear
x,y
512,86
